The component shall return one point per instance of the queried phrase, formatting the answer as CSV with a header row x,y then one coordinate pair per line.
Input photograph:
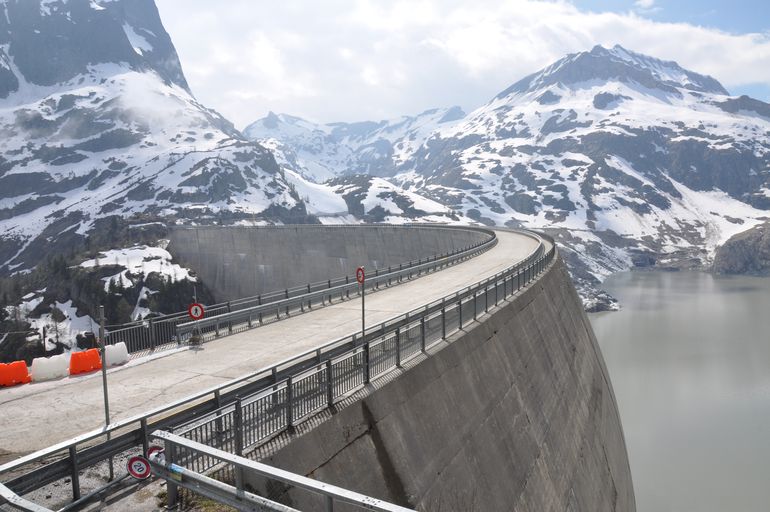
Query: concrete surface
x,y
516,414
38,415
237,262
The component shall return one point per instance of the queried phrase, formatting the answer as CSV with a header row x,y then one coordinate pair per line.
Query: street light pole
x,y
103,350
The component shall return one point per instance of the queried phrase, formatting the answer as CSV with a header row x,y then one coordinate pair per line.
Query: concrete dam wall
x,y
515,414
237,262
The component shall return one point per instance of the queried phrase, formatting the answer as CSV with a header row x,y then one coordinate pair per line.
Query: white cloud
x,y
369,59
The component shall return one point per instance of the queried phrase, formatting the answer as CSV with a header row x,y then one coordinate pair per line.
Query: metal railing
x,y
169,331
176,475
291,378
253,419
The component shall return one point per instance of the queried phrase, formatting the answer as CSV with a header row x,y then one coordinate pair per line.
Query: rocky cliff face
x,y
745,253
97,120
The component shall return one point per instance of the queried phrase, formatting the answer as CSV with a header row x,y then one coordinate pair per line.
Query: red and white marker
x,y
154,451
360,275
196,311
139,467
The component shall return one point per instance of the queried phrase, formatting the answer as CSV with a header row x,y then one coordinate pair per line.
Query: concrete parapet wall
x,y
237,262
516,414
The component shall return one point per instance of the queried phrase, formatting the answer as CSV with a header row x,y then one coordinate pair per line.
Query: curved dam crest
x,y
516,413
236,262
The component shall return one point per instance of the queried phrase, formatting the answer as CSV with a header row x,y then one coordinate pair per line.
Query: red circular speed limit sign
x,y
196,311
360,275
138,467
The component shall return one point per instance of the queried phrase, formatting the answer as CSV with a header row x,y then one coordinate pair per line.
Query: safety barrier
x,y
116,354
14,373
48,368
84,362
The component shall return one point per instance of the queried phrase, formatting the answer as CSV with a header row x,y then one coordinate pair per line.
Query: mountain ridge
x,y
629,160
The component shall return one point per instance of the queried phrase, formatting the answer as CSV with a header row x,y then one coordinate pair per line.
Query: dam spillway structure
x,y
480,385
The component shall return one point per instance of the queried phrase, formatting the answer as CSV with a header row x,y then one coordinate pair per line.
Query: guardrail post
x,y
152,334
497,293
460,313
75,475
172,490
422,334
398,347
486,297
290,403
475,303
443,320
229,320
329,504
366,363
329,384
238,426
145,436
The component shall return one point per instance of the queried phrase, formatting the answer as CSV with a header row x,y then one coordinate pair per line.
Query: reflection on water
x,y
689,359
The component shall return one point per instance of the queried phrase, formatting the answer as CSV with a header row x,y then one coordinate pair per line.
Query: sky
x,y
356,60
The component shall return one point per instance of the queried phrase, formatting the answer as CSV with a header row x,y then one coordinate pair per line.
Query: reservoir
x,y
689,359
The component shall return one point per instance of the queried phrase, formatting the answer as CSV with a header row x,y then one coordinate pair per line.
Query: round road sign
x,y
196,311
360,275
154,451
138,467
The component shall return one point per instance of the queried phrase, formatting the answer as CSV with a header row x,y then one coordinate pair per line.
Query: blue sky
x,y
735,17
355,60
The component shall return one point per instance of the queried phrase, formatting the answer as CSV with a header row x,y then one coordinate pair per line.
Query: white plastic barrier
x,y
116,354
47,368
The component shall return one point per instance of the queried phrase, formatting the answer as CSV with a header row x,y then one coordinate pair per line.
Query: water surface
x,y
689,359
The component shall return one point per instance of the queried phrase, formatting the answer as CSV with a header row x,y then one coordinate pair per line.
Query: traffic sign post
x,y
139,467
361,278
196,312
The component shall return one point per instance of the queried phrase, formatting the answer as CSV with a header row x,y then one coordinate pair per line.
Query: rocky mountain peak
x,y
616,64
75,35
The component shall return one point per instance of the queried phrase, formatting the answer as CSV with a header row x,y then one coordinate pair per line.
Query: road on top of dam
x,y
39,415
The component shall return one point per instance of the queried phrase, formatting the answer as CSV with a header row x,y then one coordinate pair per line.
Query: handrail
x,y
201,403
337,494
186,329
160,332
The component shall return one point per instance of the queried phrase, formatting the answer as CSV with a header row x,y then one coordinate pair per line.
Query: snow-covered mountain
x,y
97,119
324,151
628,159
356,197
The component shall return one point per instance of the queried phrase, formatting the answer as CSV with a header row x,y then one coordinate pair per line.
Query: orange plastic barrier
x,y
84,362
14,373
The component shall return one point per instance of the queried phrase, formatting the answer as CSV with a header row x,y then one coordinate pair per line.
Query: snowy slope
x,y
101,122
324,151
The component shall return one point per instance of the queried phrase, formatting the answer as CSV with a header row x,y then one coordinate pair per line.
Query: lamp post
x,y
103,351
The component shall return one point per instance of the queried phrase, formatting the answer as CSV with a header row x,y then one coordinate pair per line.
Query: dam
x,y
497,397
